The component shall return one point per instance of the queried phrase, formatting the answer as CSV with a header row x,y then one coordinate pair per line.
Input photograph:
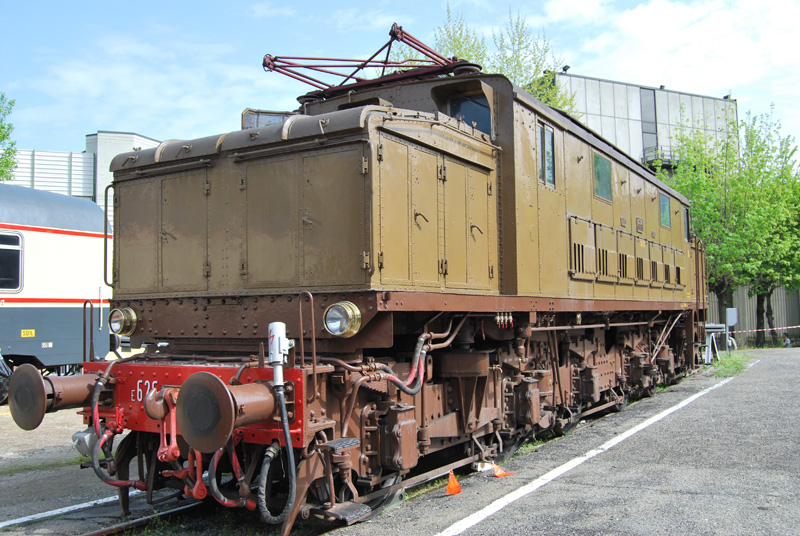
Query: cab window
x,y
472,109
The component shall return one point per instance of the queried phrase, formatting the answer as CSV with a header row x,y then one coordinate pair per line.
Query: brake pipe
x,y
102,475
417,355
212,477
278,352
270,454
98,388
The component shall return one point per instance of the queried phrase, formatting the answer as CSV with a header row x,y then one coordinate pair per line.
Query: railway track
x,y
135,523
95,518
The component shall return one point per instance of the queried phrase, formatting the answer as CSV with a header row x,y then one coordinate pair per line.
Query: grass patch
x,y
529,446
38,467
430,485
730,364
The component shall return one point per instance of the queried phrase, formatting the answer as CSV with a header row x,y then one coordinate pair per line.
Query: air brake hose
x,y
98,387
269,455
108,434
399,384
212,478
279,346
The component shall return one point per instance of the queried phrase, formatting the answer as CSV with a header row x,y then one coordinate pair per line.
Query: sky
x,y
184,70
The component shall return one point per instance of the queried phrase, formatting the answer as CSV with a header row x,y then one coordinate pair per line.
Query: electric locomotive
x,y
408,275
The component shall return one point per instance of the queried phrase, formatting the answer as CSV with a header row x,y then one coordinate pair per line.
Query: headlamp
x,y
342,319
122,321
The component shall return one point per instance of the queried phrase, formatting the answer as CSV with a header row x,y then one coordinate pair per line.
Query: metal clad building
x,y
85,174
642,120
55,171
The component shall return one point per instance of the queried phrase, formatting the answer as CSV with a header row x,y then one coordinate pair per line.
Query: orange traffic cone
x,y
453,486
500,473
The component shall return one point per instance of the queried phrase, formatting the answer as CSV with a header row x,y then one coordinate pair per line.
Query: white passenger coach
x,y
51,270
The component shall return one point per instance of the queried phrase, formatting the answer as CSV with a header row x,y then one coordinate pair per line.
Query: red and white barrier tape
x,y
767,329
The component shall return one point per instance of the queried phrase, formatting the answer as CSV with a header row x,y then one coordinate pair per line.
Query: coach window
x,y
547,158
10,261
602,177
665,210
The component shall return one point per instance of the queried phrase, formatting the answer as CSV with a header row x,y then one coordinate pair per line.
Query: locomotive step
x,y
349,512
338,446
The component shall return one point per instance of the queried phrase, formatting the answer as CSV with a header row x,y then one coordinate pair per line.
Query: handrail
x,y
105,242
313,342
91,329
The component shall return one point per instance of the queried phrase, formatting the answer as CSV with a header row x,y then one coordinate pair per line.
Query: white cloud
x,y
356,19
706,47
186,89
267,10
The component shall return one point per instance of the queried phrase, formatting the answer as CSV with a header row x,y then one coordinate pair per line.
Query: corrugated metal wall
x,y
785,306
55,171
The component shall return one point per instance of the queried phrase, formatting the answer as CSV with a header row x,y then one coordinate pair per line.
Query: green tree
x,y
744,190
767,164
455,39
8,148
706,174
520,54
527,59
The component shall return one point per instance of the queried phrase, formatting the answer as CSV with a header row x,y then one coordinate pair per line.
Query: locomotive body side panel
x,y
437,206
553,231
136,225
526,156
273,223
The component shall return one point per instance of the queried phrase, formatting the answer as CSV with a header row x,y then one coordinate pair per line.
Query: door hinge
x,y
442,173
491,271
207,269
380,152
242,181
443,266
243,268
364,165
489,188
206,186
380,260
365,260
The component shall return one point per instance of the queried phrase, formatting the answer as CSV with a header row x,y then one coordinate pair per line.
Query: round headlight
x,y
342,319
122,321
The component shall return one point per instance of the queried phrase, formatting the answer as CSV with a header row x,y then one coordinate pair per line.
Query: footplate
x,y
349,512
339,446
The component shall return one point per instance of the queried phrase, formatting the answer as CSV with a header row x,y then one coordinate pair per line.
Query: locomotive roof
x,y
593,138
300,125
21,205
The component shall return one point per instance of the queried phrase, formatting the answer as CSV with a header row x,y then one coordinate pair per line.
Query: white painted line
x,y
499,504
65,510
